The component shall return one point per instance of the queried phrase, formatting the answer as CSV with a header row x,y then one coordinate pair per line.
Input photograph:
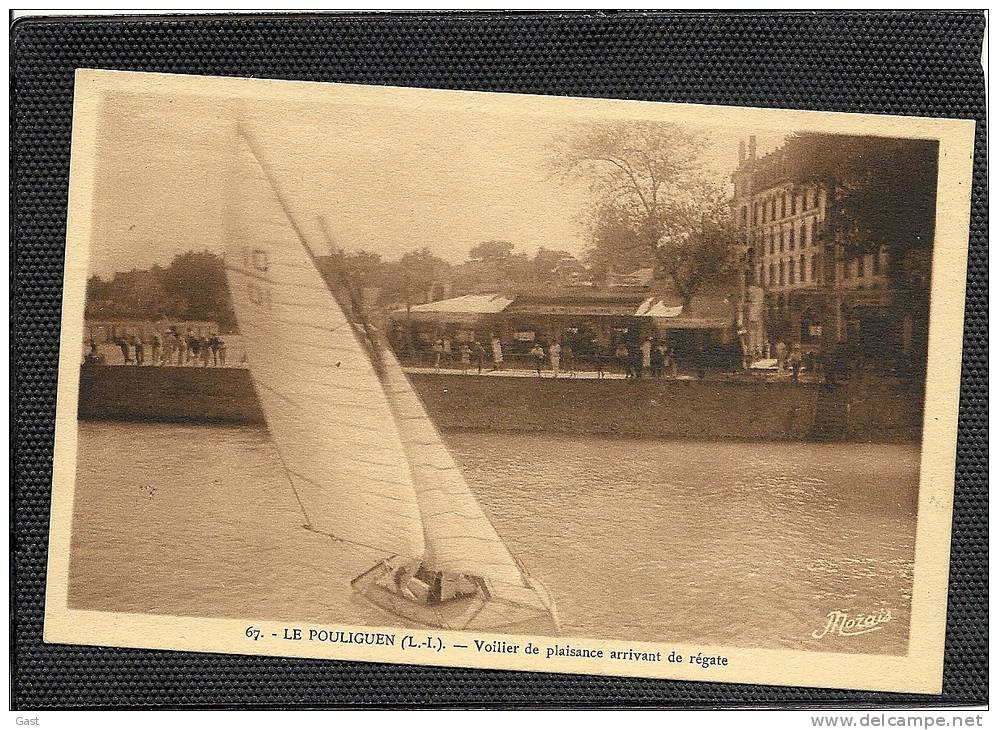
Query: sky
x,y
386,178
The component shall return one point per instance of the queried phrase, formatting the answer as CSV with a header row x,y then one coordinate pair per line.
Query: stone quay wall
x,y
673,409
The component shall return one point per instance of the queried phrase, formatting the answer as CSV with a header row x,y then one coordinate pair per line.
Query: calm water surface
x,y
731,544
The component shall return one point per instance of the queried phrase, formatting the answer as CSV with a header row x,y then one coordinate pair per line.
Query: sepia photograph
x,y
502,381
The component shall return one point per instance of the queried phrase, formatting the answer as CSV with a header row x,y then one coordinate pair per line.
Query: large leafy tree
x,y
651,202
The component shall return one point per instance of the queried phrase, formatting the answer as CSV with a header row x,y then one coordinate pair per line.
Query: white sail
x,y
324,403
362,455
459,537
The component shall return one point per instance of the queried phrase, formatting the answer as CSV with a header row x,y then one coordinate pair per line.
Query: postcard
x,y
507,381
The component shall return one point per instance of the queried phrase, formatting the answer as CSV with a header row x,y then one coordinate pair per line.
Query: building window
x,y
772,275
772,215
876,263
803,234
759,281
790,271
861,266
803,270
845,269
815,271
793,230
781,239
783,206
765,210
814,230
793,204
744,216
755,214
781,274
772,243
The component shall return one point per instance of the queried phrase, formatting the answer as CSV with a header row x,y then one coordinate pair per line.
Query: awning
x,y
704,313
468,308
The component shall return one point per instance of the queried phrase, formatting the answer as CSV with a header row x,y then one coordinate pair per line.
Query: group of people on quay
x,y
188,349
652,357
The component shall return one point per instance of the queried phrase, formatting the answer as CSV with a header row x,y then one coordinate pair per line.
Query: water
x,y
728,544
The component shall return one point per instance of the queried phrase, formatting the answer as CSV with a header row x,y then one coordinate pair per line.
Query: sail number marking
x,y
256,259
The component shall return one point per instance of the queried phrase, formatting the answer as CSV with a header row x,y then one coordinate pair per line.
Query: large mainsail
x,y
362,455
324,403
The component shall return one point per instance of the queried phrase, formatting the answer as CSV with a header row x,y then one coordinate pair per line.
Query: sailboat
x,y
363,458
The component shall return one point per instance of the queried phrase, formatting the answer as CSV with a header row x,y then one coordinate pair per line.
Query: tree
x,y
699,248
653,204
415,274
881,192
194,287
494,252
551,265
494,266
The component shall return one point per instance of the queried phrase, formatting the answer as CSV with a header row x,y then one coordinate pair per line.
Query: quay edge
x,y
869,411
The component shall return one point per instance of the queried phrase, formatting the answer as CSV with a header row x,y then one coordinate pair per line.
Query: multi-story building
x,y
797,283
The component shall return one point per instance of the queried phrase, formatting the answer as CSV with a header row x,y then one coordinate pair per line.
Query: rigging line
x,y
294,490
277,193
376,548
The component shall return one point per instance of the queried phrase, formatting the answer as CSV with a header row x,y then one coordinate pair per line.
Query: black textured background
x,y
897,63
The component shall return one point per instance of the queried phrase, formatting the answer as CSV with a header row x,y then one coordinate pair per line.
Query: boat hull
x,y
531,613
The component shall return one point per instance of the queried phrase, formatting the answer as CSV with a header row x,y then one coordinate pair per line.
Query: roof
x,y
706,311
468,304
467,308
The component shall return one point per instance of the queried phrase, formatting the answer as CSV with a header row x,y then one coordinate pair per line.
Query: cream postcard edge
x,y
920,671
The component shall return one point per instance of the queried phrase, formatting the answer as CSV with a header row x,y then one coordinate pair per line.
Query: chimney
x,y
741,151
751,146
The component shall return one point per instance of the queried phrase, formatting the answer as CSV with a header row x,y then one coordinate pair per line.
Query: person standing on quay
x,y
496,352
554,351
221,352
205,351
598,344
122,343
157,348
794,361
193,347
781,356
465,358
479,353
214,343
636,360
438,350
656,359
169,346
538,354
568,358
646,348
139,350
